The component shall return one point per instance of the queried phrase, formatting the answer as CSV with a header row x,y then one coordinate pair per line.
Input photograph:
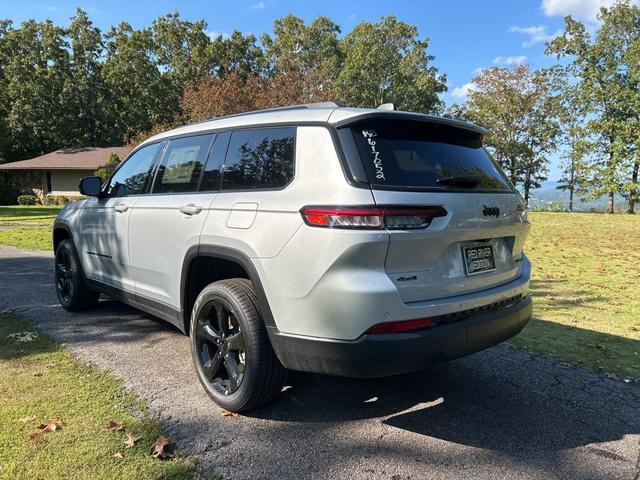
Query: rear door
x,y
478,244
166,223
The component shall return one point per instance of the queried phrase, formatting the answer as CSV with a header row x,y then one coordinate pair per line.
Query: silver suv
x,y
354,242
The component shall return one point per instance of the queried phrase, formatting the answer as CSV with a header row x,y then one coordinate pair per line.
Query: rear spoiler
x,y
416,117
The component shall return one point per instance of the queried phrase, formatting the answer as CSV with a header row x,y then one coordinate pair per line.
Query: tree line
x,y
79,86
589,103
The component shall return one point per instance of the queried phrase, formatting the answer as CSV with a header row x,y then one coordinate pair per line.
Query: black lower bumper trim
x,y
391,354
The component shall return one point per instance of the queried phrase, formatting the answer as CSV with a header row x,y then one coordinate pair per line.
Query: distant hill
x,y
548,193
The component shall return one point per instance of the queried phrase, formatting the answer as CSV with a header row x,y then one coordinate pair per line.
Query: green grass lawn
x,y
35,238
586,291
40,379
27,226
28,214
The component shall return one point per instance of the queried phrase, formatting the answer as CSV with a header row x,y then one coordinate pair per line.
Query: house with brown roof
x,y
59,172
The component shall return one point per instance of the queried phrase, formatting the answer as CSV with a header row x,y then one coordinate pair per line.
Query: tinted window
x,y
260,158
133,177
212,175
421,155
182,165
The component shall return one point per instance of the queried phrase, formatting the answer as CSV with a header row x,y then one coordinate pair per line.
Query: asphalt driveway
x,y
497,414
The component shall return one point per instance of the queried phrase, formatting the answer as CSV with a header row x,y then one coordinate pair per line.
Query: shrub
x,y
61,200
48,200
27,200
105,170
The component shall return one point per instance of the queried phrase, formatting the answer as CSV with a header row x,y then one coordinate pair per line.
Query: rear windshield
x,y
419,155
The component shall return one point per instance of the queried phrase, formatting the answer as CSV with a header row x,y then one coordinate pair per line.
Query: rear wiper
x,y
464,181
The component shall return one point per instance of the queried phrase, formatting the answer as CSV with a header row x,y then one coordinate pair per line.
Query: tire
x,y
232,355
73,293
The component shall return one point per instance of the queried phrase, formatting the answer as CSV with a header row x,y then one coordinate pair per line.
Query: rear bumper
x,y
391,354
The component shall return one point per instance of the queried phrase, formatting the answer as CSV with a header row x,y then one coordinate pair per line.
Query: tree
x,y
215,97
238,92
5,27
605,67
520,108
573,168
238,54
85,96
142,95
386,62
305,52
36,69
181,49
109,166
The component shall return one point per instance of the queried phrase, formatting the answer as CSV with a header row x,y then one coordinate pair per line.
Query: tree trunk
x,y
527,187
633,193
610,203
572,184
571,198
611,195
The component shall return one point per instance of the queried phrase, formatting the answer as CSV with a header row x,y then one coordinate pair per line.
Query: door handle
x,y
191,209
123,207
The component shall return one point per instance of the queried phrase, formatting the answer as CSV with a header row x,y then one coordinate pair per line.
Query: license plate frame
x,y
478,259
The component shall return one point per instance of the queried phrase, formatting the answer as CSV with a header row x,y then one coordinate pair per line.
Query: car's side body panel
x,y
102,239
160,235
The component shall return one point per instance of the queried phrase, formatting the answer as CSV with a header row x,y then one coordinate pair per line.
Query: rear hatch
x,y
478,243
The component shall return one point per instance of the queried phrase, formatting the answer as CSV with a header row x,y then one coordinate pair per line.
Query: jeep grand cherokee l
x,y
354,242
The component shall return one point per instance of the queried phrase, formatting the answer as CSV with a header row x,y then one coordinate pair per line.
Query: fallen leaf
x,y
29,418
227,413
53,425
117,455
131,441
35,437
23,337
113,427
159,446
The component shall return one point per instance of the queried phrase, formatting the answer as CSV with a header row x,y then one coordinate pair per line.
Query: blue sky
x,y
465,35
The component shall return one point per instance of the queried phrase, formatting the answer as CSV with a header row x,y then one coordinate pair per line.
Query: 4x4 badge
x,y
490,211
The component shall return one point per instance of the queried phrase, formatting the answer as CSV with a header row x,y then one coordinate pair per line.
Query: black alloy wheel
x,y
64,275
231,351
221,347
73,292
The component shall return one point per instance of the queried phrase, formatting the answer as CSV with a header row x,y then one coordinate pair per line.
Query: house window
x,y
48,190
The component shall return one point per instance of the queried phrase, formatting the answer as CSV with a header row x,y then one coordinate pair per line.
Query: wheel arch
x,y
214,253
61,231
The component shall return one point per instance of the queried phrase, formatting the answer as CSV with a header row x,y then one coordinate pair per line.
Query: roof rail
x,y
276,109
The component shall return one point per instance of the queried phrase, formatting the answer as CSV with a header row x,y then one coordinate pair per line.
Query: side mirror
x,y
90,186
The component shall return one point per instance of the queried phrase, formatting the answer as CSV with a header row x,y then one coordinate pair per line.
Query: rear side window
x,y
134,176
259,158
182,165
418,155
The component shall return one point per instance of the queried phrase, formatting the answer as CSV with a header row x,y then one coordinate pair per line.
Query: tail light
x,y
393,218
399,327
522,210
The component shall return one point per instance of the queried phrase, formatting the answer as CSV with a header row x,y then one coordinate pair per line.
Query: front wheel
x,y
73,293
231,351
